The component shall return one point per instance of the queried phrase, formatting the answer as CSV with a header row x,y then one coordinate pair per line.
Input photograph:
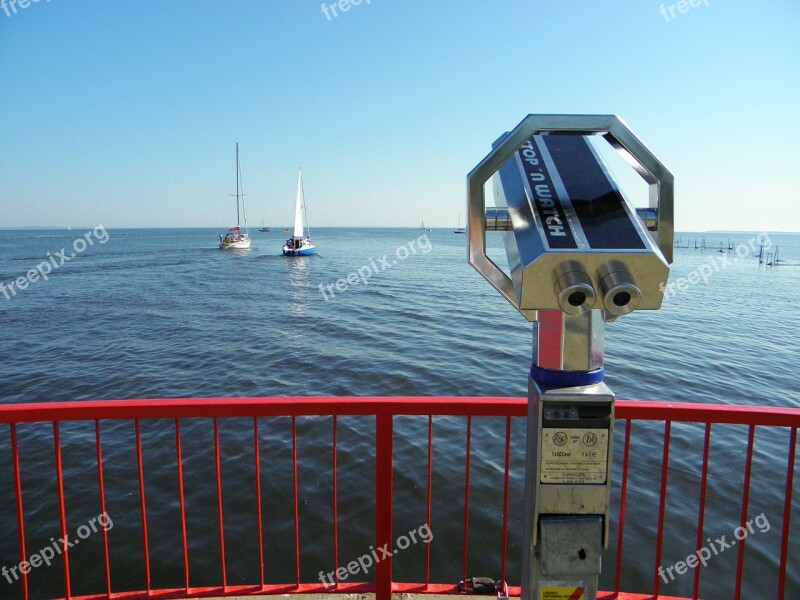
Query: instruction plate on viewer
x,y
574,455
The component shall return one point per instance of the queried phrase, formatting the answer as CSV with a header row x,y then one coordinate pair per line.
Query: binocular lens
x,y
620,294
576,298
574,290
622,299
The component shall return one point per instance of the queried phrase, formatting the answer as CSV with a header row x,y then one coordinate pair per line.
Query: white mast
x,y
298,208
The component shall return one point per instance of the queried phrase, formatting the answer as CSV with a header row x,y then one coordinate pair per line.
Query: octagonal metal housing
x,y
570,224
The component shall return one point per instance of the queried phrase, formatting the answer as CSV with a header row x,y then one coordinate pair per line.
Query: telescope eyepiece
x,y
574,289
622,298
620,294
577,298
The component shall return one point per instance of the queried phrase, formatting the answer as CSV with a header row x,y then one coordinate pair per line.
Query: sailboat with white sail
x,y
235,239
300,244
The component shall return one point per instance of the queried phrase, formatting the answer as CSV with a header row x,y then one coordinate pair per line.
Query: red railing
x,y
384,410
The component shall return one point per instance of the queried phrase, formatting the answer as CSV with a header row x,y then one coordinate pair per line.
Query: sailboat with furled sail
x,y
300,244
459,229
234,239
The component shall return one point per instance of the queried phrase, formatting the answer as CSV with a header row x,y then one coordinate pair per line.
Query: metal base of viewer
x,y
567,490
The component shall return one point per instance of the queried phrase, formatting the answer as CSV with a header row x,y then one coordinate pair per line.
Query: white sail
x,y
298,208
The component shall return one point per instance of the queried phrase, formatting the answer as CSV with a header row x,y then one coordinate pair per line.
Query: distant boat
x,y
459,229
285,230
262,228
299,244
234,239
422,226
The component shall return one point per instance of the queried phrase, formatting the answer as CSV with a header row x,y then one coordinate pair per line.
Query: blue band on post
x,y
553,378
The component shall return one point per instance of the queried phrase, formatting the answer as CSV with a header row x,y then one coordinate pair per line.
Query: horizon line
x,y
149,227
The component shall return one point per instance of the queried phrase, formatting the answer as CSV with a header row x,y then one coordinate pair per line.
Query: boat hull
x,y
238,245
307,251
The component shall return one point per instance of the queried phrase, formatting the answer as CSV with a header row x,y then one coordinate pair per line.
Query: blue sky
x,y
126,113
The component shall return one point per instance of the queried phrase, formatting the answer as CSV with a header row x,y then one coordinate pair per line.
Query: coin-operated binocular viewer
x,y
579,255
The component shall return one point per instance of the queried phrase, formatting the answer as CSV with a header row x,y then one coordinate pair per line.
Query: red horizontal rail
x,y
640,410
687,412
262,407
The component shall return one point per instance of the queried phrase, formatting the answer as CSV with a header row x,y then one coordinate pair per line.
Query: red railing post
x,y
335,508
428,492
702,509
218,472
465,544
745,504
506,472
142,503
182,503
296,497
62,511
259,519
662,505
23,555
787,514
623,497
101,485
383,505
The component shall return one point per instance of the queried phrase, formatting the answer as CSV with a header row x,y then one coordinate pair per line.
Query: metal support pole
x,y
568,466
